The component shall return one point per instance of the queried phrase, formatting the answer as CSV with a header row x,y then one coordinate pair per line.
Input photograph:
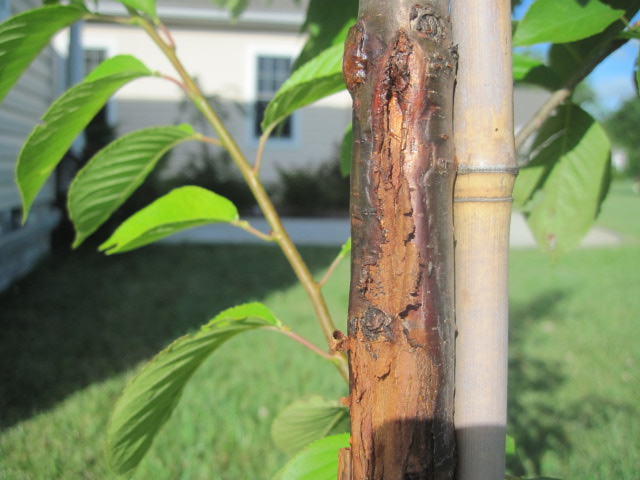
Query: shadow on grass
x,y
534,420
82,317
540,418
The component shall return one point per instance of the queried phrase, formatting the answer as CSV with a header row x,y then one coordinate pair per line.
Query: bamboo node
x,y
483,199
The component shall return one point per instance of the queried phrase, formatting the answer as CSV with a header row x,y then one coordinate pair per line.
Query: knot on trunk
x,y
427,23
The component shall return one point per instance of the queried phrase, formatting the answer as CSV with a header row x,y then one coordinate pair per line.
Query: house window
x,y
10,221
5,9
272,71
99,132
92,58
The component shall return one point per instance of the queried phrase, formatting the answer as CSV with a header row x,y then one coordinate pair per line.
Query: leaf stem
x,y
211,140
261,146
332,267
246,226
279,233
303,341
176,81
109,18
167,35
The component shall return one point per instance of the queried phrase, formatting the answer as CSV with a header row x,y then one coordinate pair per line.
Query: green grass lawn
x,y
621,211
75,330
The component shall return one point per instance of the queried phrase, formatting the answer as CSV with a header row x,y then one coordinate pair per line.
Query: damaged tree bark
x,y
399,67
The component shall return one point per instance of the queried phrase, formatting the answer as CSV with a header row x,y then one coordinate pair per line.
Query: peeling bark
x,y
399,67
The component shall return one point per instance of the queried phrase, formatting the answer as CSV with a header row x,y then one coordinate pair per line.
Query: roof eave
x,y
249,20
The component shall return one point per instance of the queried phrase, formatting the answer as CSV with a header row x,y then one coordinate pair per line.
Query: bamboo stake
x,y
483,127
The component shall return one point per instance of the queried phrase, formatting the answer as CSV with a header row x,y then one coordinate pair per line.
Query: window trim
x,y
251,94
88,41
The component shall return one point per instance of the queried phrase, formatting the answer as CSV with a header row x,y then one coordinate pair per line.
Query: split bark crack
x,y
399,69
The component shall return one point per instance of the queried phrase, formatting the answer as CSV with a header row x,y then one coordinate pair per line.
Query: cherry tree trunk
x,y
399,67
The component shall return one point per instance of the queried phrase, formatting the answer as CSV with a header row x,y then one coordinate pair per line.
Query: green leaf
x,y
511,477
115,172
305,421
562,187
182,208
571,60
236,7
560,21
66,118
23,36
327,23
346,248
79,3
533,71
510,446
513,462
345,151
638,72
523,64
630,34
148,7
566,59
319,461
149,399
318,78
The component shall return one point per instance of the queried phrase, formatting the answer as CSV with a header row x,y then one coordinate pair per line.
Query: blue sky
x,y
613,80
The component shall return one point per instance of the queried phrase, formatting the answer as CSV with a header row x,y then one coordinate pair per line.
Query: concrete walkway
x,y
335,231
521,236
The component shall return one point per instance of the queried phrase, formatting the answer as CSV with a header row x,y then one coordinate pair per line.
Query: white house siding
x,y
22,246
223,58
527,100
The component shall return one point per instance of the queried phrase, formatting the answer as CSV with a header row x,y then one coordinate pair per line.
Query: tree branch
x,y
279,233
560,95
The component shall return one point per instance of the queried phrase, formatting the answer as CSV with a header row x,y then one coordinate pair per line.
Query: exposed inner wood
x,y
401,321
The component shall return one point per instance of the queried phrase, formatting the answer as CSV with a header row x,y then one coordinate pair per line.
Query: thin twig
x,y
279,233
332,267
541,115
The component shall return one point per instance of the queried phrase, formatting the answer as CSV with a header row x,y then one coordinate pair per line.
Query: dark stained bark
x,y
399,67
